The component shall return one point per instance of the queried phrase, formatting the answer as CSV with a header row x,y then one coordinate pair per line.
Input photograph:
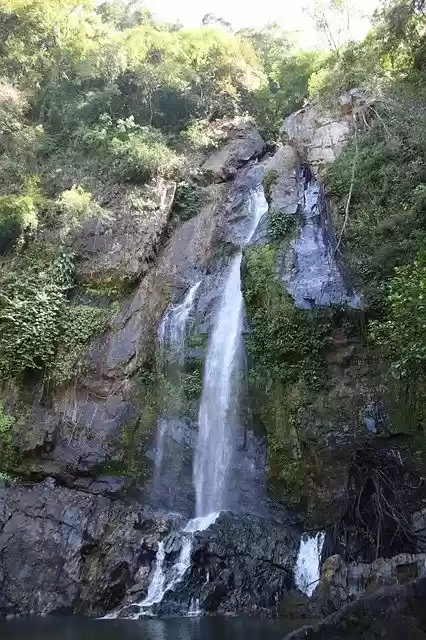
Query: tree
x,y
334,20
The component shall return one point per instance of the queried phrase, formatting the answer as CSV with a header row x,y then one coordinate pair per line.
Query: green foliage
x,y
40,329
127,152
18,220
386,223
202,135
285,92
285,342
268,181
402,334
355,66
31,308
78,324
280,225
189,200
8,455
285,357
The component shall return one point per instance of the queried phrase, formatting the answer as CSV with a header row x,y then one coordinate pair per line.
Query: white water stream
x,y
171,340
219,400
307,572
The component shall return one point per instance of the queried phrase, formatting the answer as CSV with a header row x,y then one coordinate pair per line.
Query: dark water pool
x,y
148,629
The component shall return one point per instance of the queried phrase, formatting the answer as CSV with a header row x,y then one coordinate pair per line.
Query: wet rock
x,y
283,171
418,520
243,143
310,269
241,563
65,550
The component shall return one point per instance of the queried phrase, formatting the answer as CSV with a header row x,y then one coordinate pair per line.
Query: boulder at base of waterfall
x,y
341,583
66,551
241,563
390,613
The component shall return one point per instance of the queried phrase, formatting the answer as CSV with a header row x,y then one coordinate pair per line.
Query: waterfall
x,y
307,572
218,414
171,332
165,578
171,341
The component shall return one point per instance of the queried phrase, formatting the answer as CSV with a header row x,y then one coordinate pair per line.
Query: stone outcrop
x,y
393,613
240,563
319,133
65,551
118,248
242,143
282,181
341,583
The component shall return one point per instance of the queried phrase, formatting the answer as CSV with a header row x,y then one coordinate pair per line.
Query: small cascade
x,y
316,278
219,408
171,332
307,571
194,608
171,342
165,578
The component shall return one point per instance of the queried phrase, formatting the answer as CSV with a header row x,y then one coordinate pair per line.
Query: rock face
x,y
240,563
65,550
341,583
392,613
119,248
244,143
319,134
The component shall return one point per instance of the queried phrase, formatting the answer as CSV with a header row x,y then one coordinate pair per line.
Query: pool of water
x,y
148,629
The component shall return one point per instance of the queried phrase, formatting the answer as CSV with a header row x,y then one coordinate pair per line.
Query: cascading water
x,y
307,572
164,579
218,415
171,341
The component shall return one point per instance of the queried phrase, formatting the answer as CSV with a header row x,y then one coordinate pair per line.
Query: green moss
x,y
280,226
268,181
112,288
9,455
286,365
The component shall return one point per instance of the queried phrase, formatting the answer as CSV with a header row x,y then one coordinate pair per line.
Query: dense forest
x,y
93,96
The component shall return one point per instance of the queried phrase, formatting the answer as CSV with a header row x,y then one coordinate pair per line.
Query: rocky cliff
x,y
77,530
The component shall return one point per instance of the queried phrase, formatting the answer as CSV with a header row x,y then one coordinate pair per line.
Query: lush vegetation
x,y
98,97
285,355
382,223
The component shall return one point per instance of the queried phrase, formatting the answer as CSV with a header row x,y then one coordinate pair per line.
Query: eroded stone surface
x,y
244,143
118,248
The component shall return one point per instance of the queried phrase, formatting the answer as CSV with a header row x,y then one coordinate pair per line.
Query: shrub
x,y
386,223
31,307
280,225
78,324
189,199
402,334
71,208
127,152
18,220
202,135
285,343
